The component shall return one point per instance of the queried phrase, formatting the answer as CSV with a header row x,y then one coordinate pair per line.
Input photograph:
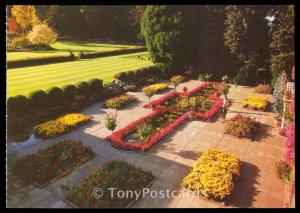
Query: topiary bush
x,y
83,88
122,76
39,99
96,86
17,106
56,98
69,93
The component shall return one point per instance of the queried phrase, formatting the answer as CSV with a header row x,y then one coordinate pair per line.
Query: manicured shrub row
x,y
60,125
263,88
57,59
118,137
255,103
241,126
140,76
114,174
52,162
213,174
38,61
114,52
119,101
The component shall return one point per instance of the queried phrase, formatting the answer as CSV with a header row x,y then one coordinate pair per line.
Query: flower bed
x,y
263,88
176,114
213,174
53,162
255,103
115,174
60,125
119,101
241,126
157,87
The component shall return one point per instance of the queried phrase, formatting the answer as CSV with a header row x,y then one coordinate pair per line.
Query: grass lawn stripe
x,y
107,75
87,74
50,67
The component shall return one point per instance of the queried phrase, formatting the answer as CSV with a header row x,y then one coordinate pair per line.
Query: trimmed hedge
x,y
38,61
56,96
83,88
56,59
39,99
115,52
96,85
138,76
69,92
18,105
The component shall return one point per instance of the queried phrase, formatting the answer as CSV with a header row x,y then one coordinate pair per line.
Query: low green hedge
x,y
38,61
112,53
56,59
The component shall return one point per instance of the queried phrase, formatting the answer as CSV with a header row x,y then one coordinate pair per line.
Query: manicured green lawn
x,y
62,48
22,81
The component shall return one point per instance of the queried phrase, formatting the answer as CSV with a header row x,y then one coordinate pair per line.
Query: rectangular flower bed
x,y
53,162
213,175
60,125
255,103
119,101
169,112
117,174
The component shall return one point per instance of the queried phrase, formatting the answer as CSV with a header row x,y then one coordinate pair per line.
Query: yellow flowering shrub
x,y
157,87
213,173
60,125
255,103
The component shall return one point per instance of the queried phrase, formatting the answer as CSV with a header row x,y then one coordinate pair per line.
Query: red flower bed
x,y
117,140
210,113
162,99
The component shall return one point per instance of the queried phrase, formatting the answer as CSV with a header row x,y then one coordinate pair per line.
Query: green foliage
x,y
96,85
69,92
282,44
144,131
83,88
278,93
56,97
17,106
242,76
39,99
283,170
163,28
111,121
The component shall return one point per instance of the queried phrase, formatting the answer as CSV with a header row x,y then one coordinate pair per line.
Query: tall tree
x,y
169,36
25,16
136,15
246,36
282,44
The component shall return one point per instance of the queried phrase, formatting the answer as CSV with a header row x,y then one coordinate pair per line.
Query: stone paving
x,y
170,160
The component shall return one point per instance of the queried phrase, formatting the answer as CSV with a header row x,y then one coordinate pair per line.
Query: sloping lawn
x,y
22,81
62,48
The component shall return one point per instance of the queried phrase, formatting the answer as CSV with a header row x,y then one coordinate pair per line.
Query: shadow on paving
x,y
263,132
244,190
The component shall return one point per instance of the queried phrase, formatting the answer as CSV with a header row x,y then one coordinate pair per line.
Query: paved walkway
x,y
170,160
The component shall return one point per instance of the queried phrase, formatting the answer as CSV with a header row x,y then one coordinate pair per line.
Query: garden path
x,y
170,160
